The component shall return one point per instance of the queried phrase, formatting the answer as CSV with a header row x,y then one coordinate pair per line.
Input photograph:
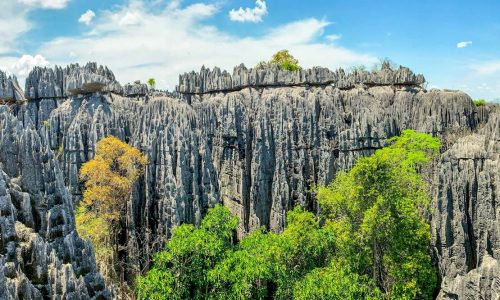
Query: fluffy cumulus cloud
x,y
248,14
464,44
87,17
46,4
24,65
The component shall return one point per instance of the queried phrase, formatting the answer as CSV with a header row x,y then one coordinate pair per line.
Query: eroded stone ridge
x,y
257,151
9,88
71,80
41,254
208,81
466,223
135,89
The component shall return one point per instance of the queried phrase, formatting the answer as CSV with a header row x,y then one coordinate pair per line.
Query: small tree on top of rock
x,y
479,102
285,61
151,83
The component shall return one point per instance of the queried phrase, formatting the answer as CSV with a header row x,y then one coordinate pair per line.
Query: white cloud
x,y
46,4
249,14
172,40
13,23
87,17
487,68
22,67
464,44
130,18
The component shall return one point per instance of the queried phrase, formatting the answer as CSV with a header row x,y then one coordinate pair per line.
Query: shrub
x,y
285,61
151,83
479,102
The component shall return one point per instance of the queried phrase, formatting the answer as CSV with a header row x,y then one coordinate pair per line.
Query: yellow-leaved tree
x,y
108,181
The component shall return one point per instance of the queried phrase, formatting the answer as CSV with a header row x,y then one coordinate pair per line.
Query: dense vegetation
x,y
108,180
370,241
283,59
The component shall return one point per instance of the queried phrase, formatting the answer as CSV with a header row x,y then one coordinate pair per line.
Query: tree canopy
x,y
283,59
108,181
369,241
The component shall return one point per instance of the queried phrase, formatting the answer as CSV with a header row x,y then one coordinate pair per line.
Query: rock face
x,y
209,81
135,89
467,220
257,140
41,255
9,88
46,83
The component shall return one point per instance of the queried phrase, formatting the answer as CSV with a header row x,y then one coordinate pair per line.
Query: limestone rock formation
x,y
257,140
9,88
135,89
46,83
41,255
89,79
467,218
210,81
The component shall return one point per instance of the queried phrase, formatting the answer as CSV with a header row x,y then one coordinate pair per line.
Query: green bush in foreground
x,y
371,241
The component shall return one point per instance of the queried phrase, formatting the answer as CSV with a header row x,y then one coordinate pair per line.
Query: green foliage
x,y
336,282
372,242
181,271
285,61
265,264
304,245
479,102
245,272
96,229
46,124
151,83
377,211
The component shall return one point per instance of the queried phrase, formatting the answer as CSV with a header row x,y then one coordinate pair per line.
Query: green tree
x,y
181,271
377,211
285,61
267,265
336,282
304,245
248,272
151,83
371,243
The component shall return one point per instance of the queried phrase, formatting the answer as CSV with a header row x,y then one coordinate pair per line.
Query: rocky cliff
x,y
41,255
257,140
10,91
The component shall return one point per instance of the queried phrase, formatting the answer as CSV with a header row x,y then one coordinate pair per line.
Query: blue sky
x,y
455,44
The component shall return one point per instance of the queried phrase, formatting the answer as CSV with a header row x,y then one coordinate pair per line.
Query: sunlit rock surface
x,y
257,140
